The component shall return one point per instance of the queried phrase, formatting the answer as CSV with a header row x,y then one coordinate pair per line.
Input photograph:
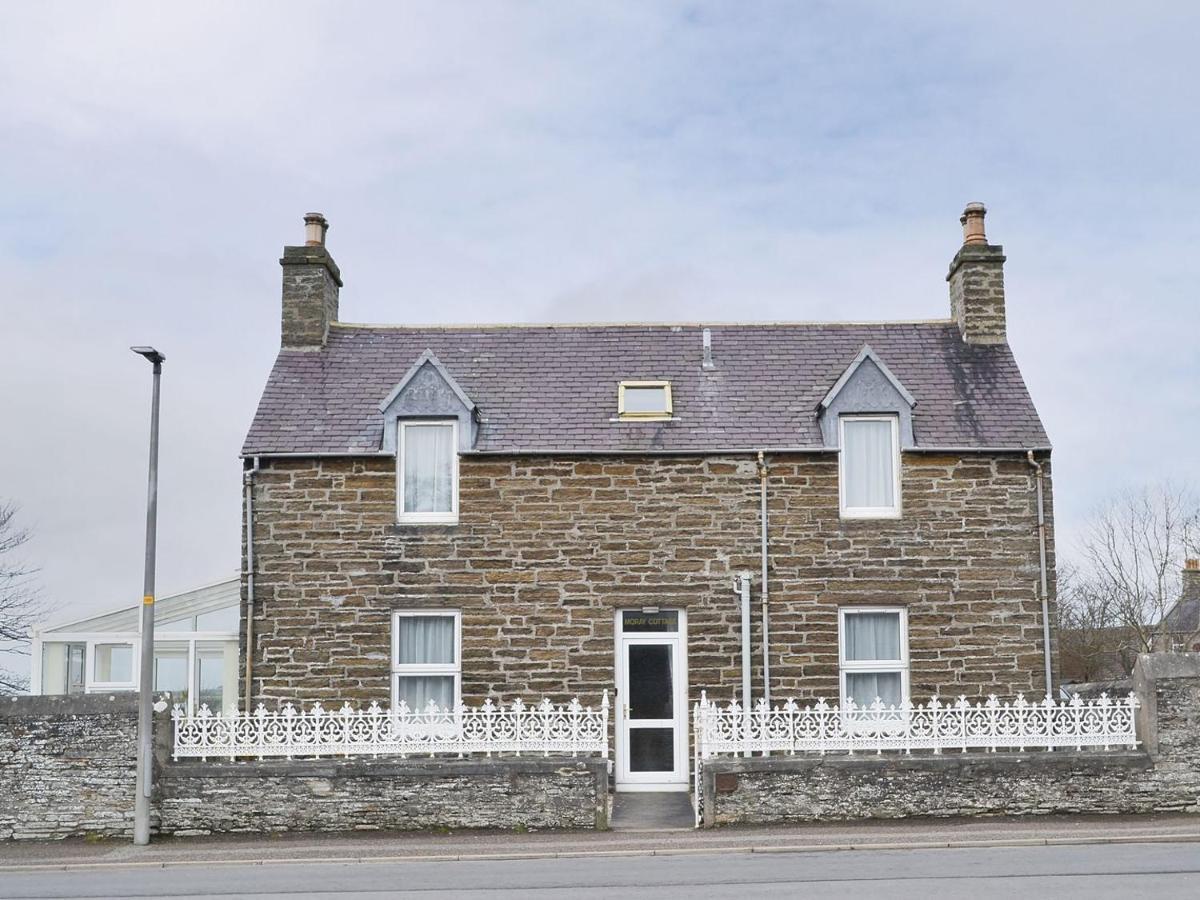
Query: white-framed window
x,y
112,665
869,467
873,654
426,658
427,471
644,400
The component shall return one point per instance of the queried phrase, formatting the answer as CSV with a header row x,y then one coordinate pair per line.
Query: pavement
x,y
425,847
1087,871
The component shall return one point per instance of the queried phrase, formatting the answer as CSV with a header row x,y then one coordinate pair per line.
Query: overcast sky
x,y
563,162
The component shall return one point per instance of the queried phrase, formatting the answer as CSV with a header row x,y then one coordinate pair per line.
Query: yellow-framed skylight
x,y
643,400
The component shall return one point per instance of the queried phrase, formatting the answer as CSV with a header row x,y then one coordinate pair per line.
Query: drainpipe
x,y
766,621
248,482
742,586
1041,525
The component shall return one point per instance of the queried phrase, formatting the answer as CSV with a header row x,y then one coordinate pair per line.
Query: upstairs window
x,y
869,467
644,400
874,655
428,472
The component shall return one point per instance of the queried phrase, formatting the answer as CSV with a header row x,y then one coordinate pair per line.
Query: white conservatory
x,y
195,649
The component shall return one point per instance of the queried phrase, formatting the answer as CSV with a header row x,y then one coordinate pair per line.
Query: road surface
x,y
1092,871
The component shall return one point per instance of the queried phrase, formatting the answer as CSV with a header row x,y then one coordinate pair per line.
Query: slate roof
x,y
553,388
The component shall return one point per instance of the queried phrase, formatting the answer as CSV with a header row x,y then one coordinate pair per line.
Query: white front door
x,y
651,700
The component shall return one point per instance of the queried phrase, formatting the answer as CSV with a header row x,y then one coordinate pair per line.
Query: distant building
x,y
195,649
1182,621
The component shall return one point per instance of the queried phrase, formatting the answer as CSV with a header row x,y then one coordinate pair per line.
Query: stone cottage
x,y
453,513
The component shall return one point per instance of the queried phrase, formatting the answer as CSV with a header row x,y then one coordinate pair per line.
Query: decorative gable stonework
x,y
867,386
428,391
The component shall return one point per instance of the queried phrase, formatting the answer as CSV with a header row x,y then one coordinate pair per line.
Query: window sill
x,y
869,514
427,520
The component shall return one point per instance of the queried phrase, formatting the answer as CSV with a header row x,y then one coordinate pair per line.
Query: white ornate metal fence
x,y
489,728
962,725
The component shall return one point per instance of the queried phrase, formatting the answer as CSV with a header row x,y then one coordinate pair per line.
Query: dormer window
x,y
428,471
869,467
644,400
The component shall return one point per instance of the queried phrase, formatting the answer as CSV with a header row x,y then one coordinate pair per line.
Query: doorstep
x,y
652,811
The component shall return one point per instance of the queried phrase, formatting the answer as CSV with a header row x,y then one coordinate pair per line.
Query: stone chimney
x,y
977,282
310,288
1191,581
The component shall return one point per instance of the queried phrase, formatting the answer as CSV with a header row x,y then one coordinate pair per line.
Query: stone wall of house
x,y
67,766
357,795
546,549
1162,777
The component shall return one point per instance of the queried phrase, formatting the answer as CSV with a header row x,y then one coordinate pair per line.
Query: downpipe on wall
x,y
1045,589
766,619
742,586
248,483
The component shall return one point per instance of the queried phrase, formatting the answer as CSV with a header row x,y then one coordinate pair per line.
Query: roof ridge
x,y
702,324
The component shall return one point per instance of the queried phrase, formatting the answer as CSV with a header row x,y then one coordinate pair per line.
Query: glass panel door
x,y
651,695
651,703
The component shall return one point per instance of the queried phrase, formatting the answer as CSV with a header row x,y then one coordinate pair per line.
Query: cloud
x,y
499,162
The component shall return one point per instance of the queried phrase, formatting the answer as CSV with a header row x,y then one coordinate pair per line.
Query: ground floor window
x,y
873,654
194,670
426,658
112,664
198,673
64,668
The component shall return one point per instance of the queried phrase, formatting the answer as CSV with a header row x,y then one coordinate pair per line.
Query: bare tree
x,y
1134,550
20,604
1092,644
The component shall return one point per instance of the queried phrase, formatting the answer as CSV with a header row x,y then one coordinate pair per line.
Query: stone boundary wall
x,y
1091,690
372,795
67,766
1163,776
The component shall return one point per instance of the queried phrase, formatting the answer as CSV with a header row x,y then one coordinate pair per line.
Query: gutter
x,y
697,451
248,482
1045,588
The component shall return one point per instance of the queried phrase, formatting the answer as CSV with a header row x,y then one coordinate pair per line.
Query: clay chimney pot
x,y
315,227
972,223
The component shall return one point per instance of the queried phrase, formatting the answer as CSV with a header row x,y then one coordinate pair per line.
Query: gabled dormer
x,y
866,386
429,391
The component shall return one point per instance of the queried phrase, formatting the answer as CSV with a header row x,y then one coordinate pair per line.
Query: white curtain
x,y
872,636
428,468
418,690
869,467
864,687
425,640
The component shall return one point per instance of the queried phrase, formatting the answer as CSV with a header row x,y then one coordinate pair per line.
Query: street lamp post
x,y
145,748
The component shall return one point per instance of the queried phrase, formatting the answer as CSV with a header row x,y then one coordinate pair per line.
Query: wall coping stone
x,y
26,706
383,767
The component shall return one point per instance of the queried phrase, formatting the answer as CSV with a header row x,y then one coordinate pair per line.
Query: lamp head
x,y
150,353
